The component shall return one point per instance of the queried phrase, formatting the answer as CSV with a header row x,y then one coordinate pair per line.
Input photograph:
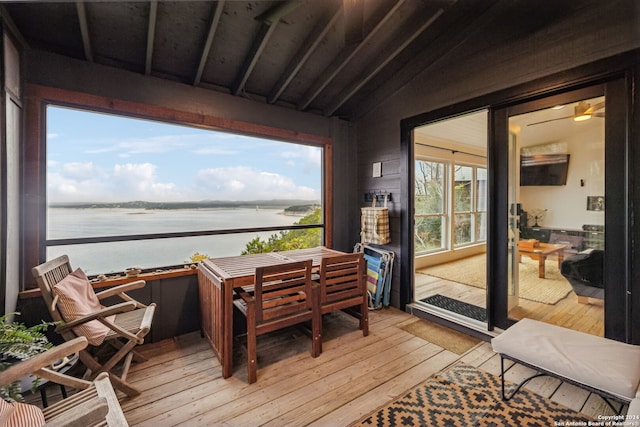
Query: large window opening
x,y
125,192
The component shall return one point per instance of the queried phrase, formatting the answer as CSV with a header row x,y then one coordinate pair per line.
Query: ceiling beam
x,y
213,26
353,21
84,30
273,15
398,47
251,59
151,35
459,24
11,26
303,54
270,20
350,53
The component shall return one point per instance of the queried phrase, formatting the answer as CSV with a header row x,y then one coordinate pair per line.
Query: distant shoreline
x,y
295,205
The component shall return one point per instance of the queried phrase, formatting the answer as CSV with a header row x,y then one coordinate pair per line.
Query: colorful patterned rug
x,y
466,396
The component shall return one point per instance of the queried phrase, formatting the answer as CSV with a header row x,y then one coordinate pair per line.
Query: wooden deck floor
x,y
182,383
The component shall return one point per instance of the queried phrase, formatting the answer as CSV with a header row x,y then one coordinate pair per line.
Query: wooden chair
x,y
95,405
343,287
122,326
283,295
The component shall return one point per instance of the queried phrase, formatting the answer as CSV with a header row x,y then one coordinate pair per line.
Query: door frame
x,y
619,74
617,214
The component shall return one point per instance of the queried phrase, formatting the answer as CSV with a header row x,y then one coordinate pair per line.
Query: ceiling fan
x,y
582,111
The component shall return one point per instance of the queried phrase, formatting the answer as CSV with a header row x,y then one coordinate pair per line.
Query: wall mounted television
x,y
544,169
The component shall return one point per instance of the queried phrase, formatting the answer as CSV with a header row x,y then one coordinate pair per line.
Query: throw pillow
x,y
14,414
77,299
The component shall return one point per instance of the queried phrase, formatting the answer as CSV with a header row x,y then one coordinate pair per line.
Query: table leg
x,y
560,259
227,351
541,260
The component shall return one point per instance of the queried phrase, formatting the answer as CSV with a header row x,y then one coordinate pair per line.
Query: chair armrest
x,y
246,296
138,284
86,413
105,390
35,363
62,379
105,312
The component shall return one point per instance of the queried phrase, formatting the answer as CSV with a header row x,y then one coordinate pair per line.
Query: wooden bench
x,y
606,367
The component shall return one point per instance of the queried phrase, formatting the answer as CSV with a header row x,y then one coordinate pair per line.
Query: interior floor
x,y
567,312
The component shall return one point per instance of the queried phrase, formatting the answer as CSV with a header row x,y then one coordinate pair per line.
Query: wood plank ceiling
x,y
331,57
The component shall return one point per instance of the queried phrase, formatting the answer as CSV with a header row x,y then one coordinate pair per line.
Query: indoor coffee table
x,y
541,252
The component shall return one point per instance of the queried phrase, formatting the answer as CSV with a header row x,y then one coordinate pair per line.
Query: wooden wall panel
x,y
482,64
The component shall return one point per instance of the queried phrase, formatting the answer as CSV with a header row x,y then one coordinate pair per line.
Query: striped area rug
x,y
466,396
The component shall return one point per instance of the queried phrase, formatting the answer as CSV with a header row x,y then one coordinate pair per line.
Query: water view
x,y
114,257
119,176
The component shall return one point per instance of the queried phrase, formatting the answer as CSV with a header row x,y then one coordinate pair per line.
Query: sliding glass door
x,y
450,219
558,180
567,261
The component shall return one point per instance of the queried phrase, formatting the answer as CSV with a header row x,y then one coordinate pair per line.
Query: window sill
x,y
120,279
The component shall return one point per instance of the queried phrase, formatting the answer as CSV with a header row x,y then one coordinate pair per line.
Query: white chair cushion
x,y
634,409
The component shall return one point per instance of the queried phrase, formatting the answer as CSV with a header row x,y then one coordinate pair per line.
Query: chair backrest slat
x,y
282,290
341,277
47,275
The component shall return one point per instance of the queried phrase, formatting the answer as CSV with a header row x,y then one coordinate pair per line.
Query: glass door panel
x,y
557,210
450,199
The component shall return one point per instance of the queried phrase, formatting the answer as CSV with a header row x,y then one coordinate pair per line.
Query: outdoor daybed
x,y
607,367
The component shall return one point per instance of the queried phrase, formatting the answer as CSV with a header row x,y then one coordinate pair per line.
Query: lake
x,y
114,257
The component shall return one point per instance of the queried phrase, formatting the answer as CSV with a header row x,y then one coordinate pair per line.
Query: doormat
x,y
459,307
467,396
447,338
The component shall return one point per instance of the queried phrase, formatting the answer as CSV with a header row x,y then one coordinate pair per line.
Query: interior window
x,y
470,205
430,197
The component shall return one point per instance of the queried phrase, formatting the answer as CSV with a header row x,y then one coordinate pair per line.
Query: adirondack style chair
x,y
283,295
71,300
343,287
95,405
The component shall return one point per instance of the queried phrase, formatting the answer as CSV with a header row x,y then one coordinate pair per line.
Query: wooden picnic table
x,y
217,277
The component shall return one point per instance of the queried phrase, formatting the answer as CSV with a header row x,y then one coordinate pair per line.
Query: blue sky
x,y
95,157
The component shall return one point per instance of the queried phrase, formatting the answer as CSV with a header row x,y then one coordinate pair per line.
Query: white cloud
x,y
85,182
156,144
52,135
245,183
80,171
215,150
304,153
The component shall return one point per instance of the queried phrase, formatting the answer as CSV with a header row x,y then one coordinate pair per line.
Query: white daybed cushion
x,y
601,363
634,409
